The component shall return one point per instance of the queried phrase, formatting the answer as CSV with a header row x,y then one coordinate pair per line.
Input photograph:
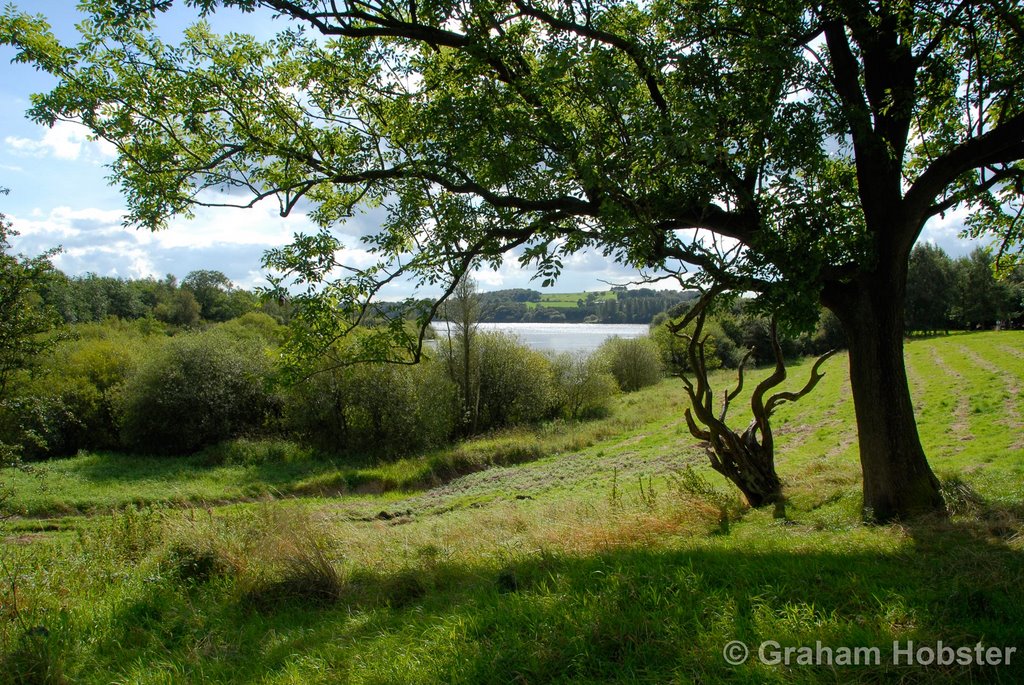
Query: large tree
x,y
790,149
930,292
28,326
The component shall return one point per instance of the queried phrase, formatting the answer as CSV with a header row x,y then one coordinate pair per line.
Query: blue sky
x,y
59,196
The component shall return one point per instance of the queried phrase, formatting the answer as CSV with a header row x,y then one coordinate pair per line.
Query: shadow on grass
x,y
625,615
309,475
105,468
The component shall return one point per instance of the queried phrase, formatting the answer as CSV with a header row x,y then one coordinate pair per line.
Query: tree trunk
x,y
751,468
898,483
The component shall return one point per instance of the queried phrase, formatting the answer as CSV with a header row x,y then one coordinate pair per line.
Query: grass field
x,y
599,552
569,300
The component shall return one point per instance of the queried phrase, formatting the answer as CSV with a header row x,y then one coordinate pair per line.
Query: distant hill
x,y
608,306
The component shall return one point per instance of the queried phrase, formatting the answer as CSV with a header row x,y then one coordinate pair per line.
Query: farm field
x,y
569,300
605,551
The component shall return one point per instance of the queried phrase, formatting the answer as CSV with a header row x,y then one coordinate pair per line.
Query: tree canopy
x,y
790,149
26,323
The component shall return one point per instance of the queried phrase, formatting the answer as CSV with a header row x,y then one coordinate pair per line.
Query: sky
x,y
59,195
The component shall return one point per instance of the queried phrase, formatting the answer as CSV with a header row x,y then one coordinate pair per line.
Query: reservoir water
x,y
560,337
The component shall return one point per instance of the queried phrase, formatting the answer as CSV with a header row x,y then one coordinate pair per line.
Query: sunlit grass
x,y
605,551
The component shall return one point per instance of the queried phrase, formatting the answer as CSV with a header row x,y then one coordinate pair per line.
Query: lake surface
x,y
561,337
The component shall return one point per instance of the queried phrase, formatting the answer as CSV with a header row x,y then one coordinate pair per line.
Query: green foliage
x,y
382,409
202,296
929,289
515,382
510,384
794,153
255,452
198,389
962,294
611,306
258,325
27,326
690,482
33,660
28,329
534,571
732,331
303,574
721,349
70,403
829,335
634,362
80,386
979,300
180,309
217,296
582,385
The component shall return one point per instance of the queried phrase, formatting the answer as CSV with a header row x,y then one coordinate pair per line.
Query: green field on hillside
x,y
604,551
570,300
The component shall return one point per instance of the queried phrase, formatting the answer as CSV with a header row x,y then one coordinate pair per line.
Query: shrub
x,y
829,334
516,383
258,325
290,557
634,362
194,563
34,659
199,389
720,349
583,385
71,404
33,427
382,409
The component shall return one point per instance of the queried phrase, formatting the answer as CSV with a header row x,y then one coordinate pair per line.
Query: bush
x,y
71,404
247,452
511,384
634,362
829,335
720,350
199,389
257,325
382,409
583,385
516,383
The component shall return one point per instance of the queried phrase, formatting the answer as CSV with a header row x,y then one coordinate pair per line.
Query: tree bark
x,y
897,480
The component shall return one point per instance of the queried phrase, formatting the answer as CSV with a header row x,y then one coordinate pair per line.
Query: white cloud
x,y
944,231
62,223
64,140
229,240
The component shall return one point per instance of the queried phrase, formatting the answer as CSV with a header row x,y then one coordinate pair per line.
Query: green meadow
x,y
569,300
590,552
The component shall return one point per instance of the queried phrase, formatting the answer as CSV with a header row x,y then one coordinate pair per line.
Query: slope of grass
x,y
569,300
606,552
244,470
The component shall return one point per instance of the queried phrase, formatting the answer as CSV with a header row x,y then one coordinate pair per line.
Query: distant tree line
x,y
626,306
202,296
946,294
